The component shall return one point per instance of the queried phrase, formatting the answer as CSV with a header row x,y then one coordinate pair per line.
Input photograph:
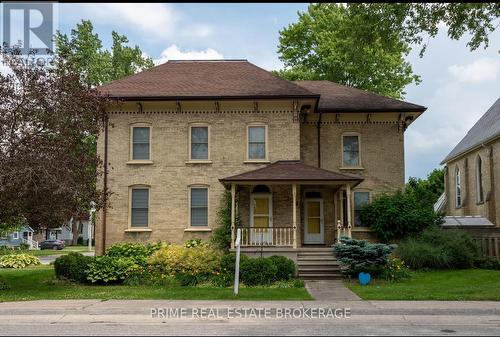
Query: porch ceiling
x,y
292,171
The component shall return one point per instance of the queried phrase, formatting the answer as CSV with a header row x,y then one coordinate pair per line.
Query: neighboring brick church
x,y
299,158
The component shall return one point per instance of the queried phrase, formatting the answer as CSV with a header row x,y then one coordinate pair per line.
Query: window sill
x,y
351,168
199,162
133,230
259,161
362,229
139,162
195,229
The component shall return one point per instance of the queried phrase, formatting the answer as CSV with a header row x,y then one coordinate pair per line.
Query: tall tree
x,y
427,191
339,43
96,64
48,167
365,44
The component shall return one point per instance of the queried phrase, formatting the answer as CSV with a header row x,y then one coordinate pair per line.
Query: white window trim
x,y
131,144
360,163
190,227
479,181
138,229
367,228
458,187
198,161
266,135
15,236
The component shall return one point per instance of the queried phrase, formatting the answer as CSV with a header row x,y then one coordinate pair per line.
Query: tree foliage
x,y
398,215
48,169
98,65
427,191
364,45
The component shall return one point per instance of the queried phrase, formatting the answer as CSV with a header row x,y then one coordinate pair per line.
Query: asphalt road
x,y
47,259
93,317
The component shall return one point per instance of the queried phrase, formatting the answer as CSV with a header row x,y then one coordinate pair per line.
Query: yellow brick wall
x,y
490,208
169,176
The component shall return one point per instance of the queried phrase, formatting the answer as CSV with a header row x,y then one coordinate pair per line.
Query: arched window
x,y
458,188
479,180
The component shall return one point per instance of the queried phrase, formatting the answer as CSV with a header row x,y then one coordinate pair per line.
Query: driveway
x,y
119,317
51,258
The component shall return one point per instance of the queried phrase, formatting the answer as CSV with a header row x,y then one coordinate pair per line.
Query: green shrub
x,y
398,215
18,261
437,248
138,252
79,241
24,246
487,262
72,266
295,283
107,269
395,270
285,267
257,271
189,265
362,256
191,243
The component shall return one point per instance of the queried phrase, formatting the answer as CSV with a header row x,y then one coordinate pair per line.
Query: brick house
x,y
300,158
472,177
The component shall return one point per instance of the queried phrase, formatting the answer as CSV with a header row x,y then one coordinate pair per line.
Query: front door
x,y
314,225
261,218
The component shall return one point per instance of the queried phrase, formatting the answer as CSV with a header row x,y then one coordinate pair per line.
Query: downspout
x,y
105,183
318,126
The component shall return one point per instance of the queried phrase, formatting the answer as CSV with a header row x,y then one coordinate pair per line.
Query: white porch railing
x,y
32,243
267,236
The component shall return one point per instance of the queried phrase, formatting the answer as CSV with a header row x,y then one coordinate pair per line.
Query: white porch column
x,y
349,211
233,214
294,215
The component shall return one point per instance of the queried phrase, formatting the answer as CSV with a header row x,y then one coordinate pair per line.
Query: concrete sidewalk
x,y
134,317
330,290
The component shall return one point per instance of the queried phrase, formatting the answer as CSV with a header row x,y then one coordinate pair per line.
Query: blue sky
x,y
457,85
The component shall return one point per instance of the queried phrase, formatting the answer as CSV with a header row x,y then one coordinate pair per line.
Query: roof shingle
x,y
291,170
485,129
340,98
204,79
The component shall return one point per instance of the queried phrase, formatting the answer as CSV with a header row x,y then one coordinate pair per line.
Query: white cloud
x,y
156,22
481,70
173,52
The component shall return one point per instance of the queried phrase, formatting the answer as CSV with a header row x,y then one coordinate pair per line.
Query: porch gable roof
x,y
291,170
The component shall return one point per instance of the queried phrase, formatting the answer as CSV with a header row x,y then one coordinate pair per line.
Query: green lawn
x,y
39,283
469,284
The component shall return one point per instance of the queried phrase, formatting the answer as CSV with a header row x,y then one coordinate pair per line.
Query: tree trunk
x,y
75,229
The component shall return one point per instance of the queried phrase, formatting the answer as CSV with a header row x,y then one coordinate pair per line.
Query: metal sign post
x,y
237,266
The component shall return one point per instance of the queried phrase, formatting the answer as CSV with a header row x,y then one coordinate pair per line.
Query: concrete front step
x,y
318,265
320,276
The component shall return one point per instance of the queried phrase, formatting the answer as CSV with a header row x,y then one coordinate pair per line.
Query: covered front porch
x,y
288,206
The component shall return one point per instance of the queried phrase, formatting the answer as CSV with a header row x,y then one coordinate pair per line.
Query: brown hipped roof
x,y
340,98
291,170
204,79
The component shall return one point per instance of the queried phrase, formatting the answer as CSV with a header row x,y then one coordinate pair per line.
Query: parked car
x,y
52,244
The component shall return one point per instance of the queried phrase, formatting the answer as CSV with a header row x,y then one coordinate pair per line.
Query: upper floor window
x,y
199,142
350,150
360,200
199,206
479,180
139,207
458,188
141,139
257,142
